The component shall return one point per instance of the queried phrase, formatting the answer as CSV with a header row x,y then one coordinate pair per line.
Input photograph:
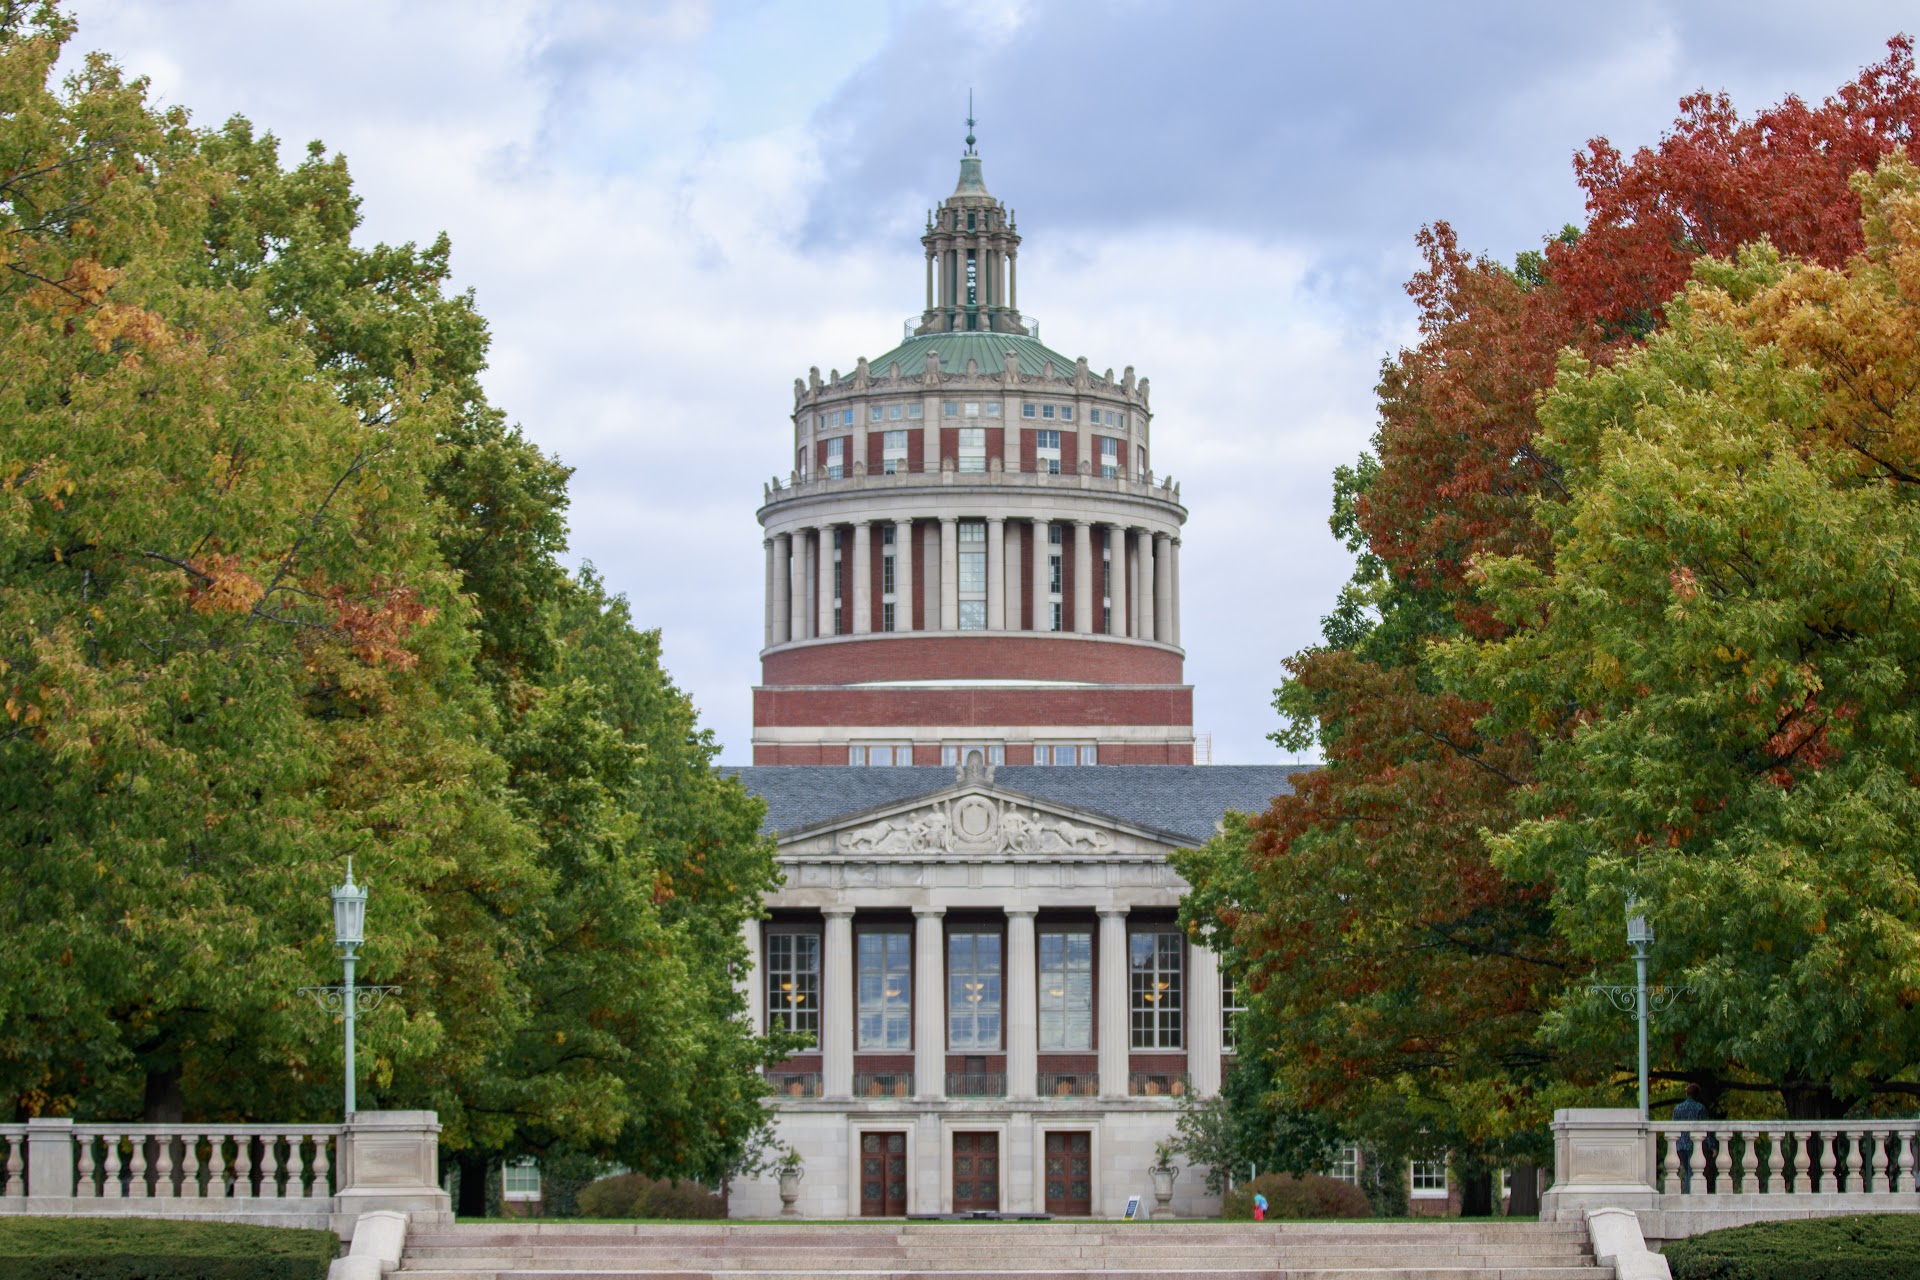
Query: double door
x,y
883,1175
1069,1172
976,1172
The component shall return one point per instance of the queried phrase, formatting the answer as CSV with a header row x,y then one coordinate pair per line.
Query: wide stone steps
x,y
996,1251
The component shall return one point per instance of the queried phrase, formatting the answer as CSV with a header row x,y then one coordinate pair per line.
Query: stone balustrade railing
x,y
282,1175
1683,1178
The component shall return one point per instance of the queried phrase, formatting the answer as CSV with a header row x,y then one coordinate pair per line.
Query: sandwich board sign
x,y
1136,1211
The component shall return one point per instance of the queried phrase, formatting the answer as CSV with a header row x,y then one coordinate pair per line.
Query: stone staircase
x,y
897,1250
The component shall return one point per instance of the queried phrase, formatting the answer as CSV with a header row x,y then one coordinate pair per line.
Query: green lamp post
x,y
347,999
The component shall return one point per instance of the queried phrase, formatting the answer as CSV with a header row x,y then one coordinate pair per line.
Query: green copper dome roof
x,y
987,350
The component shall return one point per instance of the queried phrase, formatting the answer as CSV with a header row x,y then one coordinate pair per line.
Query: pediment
x,y
976,819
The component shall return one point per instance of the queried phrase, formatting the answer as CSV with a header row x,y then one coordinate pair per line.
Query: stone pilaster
x,y
949,574
903,575
1116,1037
1203,1020
997,574
836,1005
1083,608
862,573
1022,987
929,1003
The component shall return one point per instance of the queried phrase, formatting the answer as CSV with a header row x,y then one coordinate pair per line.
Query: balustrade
x,y
205,1162
1783,1158
13,1146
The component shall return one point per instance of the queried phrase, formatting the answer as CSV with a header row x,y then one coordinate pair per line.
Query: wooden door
x,y
1070,1173
883,1175
976,1172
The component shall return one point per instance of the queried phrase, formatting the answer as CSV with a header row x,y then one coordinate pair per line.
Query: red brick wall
x,y
1069,450
1170,705
919,604
980,655
1144,753
996,443
950,444
916,447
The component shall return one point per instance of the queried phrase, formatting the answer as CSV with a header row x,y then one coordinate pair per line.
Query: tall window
x,y
1154,973
1106,584
1066,989
973,449
836,457
1109,457
886,577
973,271
954,753
973,575
885,965
1346,1166
893,452
1230,1011
1140,451
793,982
520,1180
839,579
973,992
1046,452
1056,574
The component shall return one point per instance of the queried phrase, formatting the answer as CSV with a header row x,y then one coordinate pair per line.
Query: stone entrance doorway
x,y
1070,1173
883,1175
976,1172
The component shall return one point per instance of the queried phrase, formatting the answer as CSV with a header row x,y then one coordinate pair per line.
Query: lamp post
x,y
1640,999
349,932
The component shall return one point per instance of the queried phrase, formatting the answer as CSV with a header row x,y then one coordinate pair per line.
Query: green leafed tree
x,y
279,587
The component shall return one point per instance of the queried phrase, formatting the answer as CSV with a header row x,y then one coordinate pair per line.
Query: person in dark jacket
x,y
1692,1111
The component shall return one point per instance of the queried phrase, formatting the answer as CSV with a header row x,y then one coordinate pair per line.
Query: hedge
x,y
1312,1196
158,1249
633,1195
1885,1246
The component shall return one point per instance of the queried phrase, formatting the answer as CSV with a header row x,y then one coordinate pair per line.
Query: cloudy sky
x,y
668,210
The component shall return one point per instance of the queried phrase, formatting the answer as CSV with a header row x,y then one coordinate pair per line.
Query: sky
x,y
669,209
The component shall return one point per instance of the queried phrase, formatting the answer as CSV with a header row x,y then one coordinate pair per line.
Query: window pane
x,y
793,981
973,991
1154,988
973,615
1066,989
885,1008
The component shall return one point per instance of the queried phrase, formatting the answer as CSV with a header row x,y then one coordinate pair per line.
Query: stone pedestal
x,y
1600,1161
391,1160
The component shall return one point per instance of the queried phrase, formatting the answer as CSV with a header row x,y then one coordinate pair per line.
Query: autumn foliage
x,y
1421,969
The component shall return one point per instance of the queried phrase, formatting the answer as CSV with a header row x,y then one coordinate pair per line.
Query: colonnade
x,y
1113,1038
1144,596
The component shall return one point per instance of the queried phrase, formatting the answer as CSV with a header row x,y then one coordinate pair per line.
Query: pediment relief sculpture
x,y
975,824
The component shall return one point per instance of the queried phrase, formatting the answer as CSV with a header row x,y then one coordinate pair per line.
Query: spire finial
x,y
970,122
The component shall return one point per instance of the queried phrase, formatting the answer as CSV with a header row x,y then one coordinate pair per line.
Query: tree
x,y
280,587
1720,667
1406,971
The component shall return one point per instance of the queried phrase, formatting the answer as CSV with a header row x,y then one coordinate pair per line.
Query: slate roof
x,y
1184,800
987,350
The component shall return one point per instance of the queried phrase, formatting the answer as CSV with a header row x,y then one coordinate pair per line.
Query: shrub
x,y
154,1249
633,1195
1885,1246
1311,1196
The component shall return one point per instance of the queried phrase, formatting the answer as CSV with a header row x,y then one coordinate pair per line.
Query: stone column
x,y
1011,562
1021,985
1203,1020
1013,278
1117,579
751,982
836,1005
1116,1036
823,583
929,280
862,576
997,573
929,1003
1173,588
1083,577
1163,588
782,589
903,575
1145,605
1042,548
766,544
930,563
949,574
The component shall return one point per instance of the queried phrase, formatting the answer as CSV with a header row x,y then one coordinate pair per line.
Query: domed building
x,y
971,550
973,581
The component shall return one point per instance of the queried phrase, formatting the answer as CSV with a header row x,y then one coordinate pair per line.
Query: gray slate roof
x,y
1185,800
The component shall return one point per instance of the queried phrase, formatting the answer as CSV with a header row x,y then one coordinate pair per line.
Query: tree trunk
x,y
473,1184
1523,1190
164,1104
1812,1102
1476,1193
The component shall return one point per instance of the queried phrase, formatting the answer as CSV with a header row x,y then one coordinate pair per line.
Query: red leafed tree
x,y
1419,976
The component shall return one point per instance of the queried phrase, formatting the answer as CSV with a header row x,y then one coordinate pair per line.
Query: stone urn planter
x,y
790,1191
1163,1176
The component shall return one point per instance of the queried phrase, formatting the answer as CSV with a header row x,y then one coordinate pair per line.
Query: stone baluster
x,y
84,1187
1776,1162
1670,1172
1903,1150
16,1185
1723,1165
1750,1162
137,1168
1802,1162
320,1190
190,1166
243,1166
217,1166
1844,1162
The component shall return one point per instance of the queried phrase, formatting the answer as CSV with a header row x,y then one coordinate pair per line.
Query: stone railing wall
x,y
277,1175
1686,1178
